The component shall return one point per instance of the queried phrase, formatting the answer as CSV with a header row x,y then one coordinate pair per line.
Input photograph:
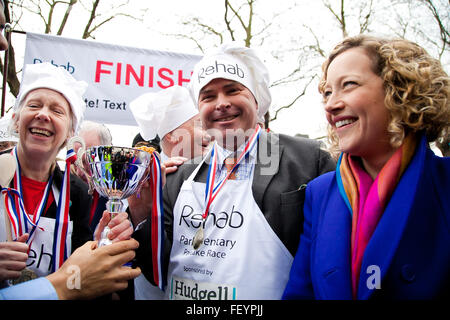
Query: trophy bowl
x,y
116,173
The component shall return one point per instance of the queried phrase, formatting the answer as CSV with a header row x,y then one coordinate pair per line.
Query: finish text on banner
x,y
116,74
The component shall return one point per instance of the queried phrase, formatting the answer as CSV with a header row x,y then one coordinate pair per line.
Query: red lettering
x,y
130,71
99,70
164,77
150,77
181,79
118,72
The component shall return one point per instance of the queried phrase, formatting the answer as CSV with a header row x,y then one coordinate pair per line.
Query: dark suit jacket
x,y
284,165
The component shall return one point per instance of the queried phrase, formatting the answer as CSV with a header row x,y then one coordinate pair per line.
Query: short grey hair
x,y
12,124
103,132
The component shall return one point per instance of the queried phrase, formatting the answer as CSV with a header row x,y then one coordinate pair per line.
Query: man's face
x,y
193,141
227,108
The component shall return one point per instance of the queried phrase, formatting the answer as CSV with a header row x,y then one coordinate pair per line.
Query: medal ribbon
x,y
15,207
157,223
95,197
14,217
211,191
62,216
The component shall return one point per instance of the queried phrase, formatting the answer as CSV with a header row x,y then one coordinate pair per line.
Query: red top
x,y
33,192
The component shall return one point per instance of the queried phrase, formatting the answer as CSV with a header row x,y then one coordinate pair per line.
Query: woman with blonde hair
x,y
379,226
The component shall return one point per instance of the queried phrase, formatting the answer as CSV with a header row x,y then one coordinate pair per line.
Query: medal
x,y
198,238
25,275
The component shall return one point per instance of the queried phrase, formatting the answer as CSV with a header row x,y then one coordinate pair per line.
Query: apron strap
x,y
197,169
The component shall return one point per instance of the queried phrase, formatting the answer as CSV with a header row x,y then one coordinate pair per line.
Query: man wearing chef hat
x,y
171,115
233,221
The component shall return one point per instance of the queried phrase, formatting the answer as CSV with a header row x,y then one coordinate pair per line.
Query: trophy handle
x,y
79,161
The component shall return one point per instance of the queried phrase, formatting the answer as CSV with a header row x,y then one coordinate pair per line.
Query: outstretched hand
x,y
92,272
13,257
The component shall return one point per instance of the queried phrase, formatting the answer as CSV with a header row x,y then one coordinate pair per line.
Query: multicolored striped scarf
x,y
367,198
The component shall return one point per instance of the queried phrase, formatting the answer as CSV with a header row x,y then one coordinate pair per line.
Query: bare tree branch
x,y
66,16
246,27
444,33
316,47
209,29
339,17
364,24
301,94
228,22
13,81
45,10
86,32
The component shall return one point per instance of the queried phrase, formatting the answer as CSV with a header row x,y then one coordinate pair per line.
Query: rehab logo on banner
x,y
116,74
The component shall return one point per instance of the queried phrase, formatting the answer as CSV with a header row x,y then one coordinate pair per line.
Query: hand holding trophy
x,y
117,173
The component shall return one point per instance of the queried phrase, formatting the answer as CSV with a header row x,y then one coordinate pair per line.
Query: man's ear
x,y
172,137
15,125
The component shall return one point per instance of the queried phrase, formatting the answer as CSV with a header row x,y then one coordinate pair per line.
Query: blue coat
x,y
409,250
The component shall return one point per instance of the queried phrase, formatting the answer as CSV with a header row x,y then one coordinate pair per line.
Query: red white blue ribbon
x,y
14,216
211,191
157,223
62,216
21,221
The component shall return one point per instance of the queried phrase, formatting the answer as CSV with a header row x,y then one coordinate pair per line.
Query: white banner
x,y
116,74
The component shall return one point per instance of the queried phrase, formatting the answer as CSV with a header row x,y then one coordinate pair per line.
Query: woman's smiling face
x,y
44,122
354,104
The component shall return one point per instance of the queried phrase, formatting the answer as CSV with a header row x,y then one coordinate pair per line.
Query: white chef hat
x,y
46,75
234,62
158,113
5,134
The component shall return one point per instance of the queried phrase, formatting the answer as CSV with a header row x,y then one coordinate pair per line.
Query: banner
x,y
116,74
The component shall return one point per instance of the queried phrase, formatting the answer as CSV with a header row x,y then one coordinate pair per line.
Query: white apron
x,y
241,256
40,255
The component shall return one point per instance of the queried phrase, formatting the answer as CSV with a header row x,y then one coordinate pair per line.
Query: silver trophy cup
x,y
116,173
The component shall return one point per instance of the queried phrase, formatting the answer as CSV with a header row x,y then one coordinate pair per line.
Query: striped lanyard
x,y
21,221
62,216
157,222
211,191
